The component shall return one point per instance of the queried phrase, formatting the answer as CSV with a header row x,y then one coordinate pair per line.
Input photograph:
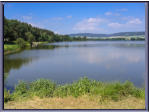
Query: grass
x,y
81,102
98,93
12,47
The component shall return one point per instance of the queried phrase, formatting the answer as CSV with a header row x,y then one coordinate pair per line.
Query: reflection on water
x,y
14,63
99,43
65,62
100,55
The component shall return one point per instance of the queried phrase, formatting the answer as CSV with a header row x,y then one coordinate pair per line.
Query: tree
x,y
14,29
84,38
30,37
20,42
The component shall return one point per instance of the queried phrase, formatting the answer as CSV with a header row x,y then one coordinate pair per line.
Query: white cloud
x,y
108,13
112,14
94,20
122,10
69,17
90,24
129,24
26,17
134,21
36,24
115,25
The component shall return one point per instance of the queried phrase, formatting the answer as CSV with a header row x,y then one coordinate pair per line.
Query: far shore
x,y
13,48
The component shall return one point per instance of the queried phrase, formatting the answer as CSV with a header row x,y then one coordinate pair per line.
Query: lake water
x,y
65,62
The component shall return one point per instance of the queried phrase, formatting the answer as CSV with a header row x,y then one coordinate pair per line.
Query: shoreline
x,y
15,50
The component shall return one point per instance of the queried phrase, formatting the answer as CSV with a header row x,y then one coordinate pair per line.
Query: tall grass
x,y
46,88
42,88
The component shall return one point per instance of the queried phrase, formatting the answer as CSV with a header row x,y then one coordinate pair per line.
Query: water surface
x,y
65,62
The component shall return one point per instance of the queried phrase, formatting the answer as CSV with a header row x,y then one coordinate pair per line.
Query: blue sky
x,y
66,18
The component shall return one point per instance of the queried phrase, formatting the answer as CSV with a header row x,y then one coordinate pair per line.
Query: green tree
x,y
14,29
20,42
30,38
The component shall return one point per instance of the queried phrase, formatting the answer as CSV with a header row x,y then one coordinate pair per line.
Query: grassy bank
x,y
13,47
96,92
10,48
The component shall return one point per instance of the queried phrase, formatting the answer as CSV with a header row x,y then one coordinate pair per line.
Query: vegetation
x,y
20,42
6,95
11,48
14,29
18,34
30,38
81,102
108,35
119,38
44,88
8,47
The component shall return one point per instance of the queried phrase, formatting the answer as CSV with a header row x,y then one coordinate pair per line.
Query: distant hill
x,y
107,35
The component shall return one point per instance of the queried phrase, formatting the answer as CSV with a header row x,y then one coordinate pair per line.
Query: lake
x,y
64,62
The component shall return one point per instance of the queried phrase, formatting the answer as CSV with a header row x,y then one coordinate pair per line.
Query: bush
x,y
77,88
46,88
21,87
81,87
20,42
30,37
63,90
110,91
20,90
7,96
42,88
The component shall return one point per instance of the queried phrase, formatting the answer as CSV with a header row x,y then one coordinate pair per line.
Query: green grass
x,y
9,47
12,47
46,88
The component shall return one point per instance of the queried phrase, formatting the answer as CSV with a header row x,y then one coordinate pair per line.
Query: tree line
x,y
14,29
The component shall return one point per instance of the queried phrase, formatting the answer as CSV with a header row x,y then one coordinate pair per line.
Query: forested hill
x,y
108,35
14,29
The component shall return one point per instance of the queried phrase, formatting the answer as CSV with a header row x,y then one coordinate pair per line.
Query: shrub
x,y
109,91
7,96
139,93
63,90
20,42
96,87
81,87
20,90
46,88
75,89
42,88
21,87
30,37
